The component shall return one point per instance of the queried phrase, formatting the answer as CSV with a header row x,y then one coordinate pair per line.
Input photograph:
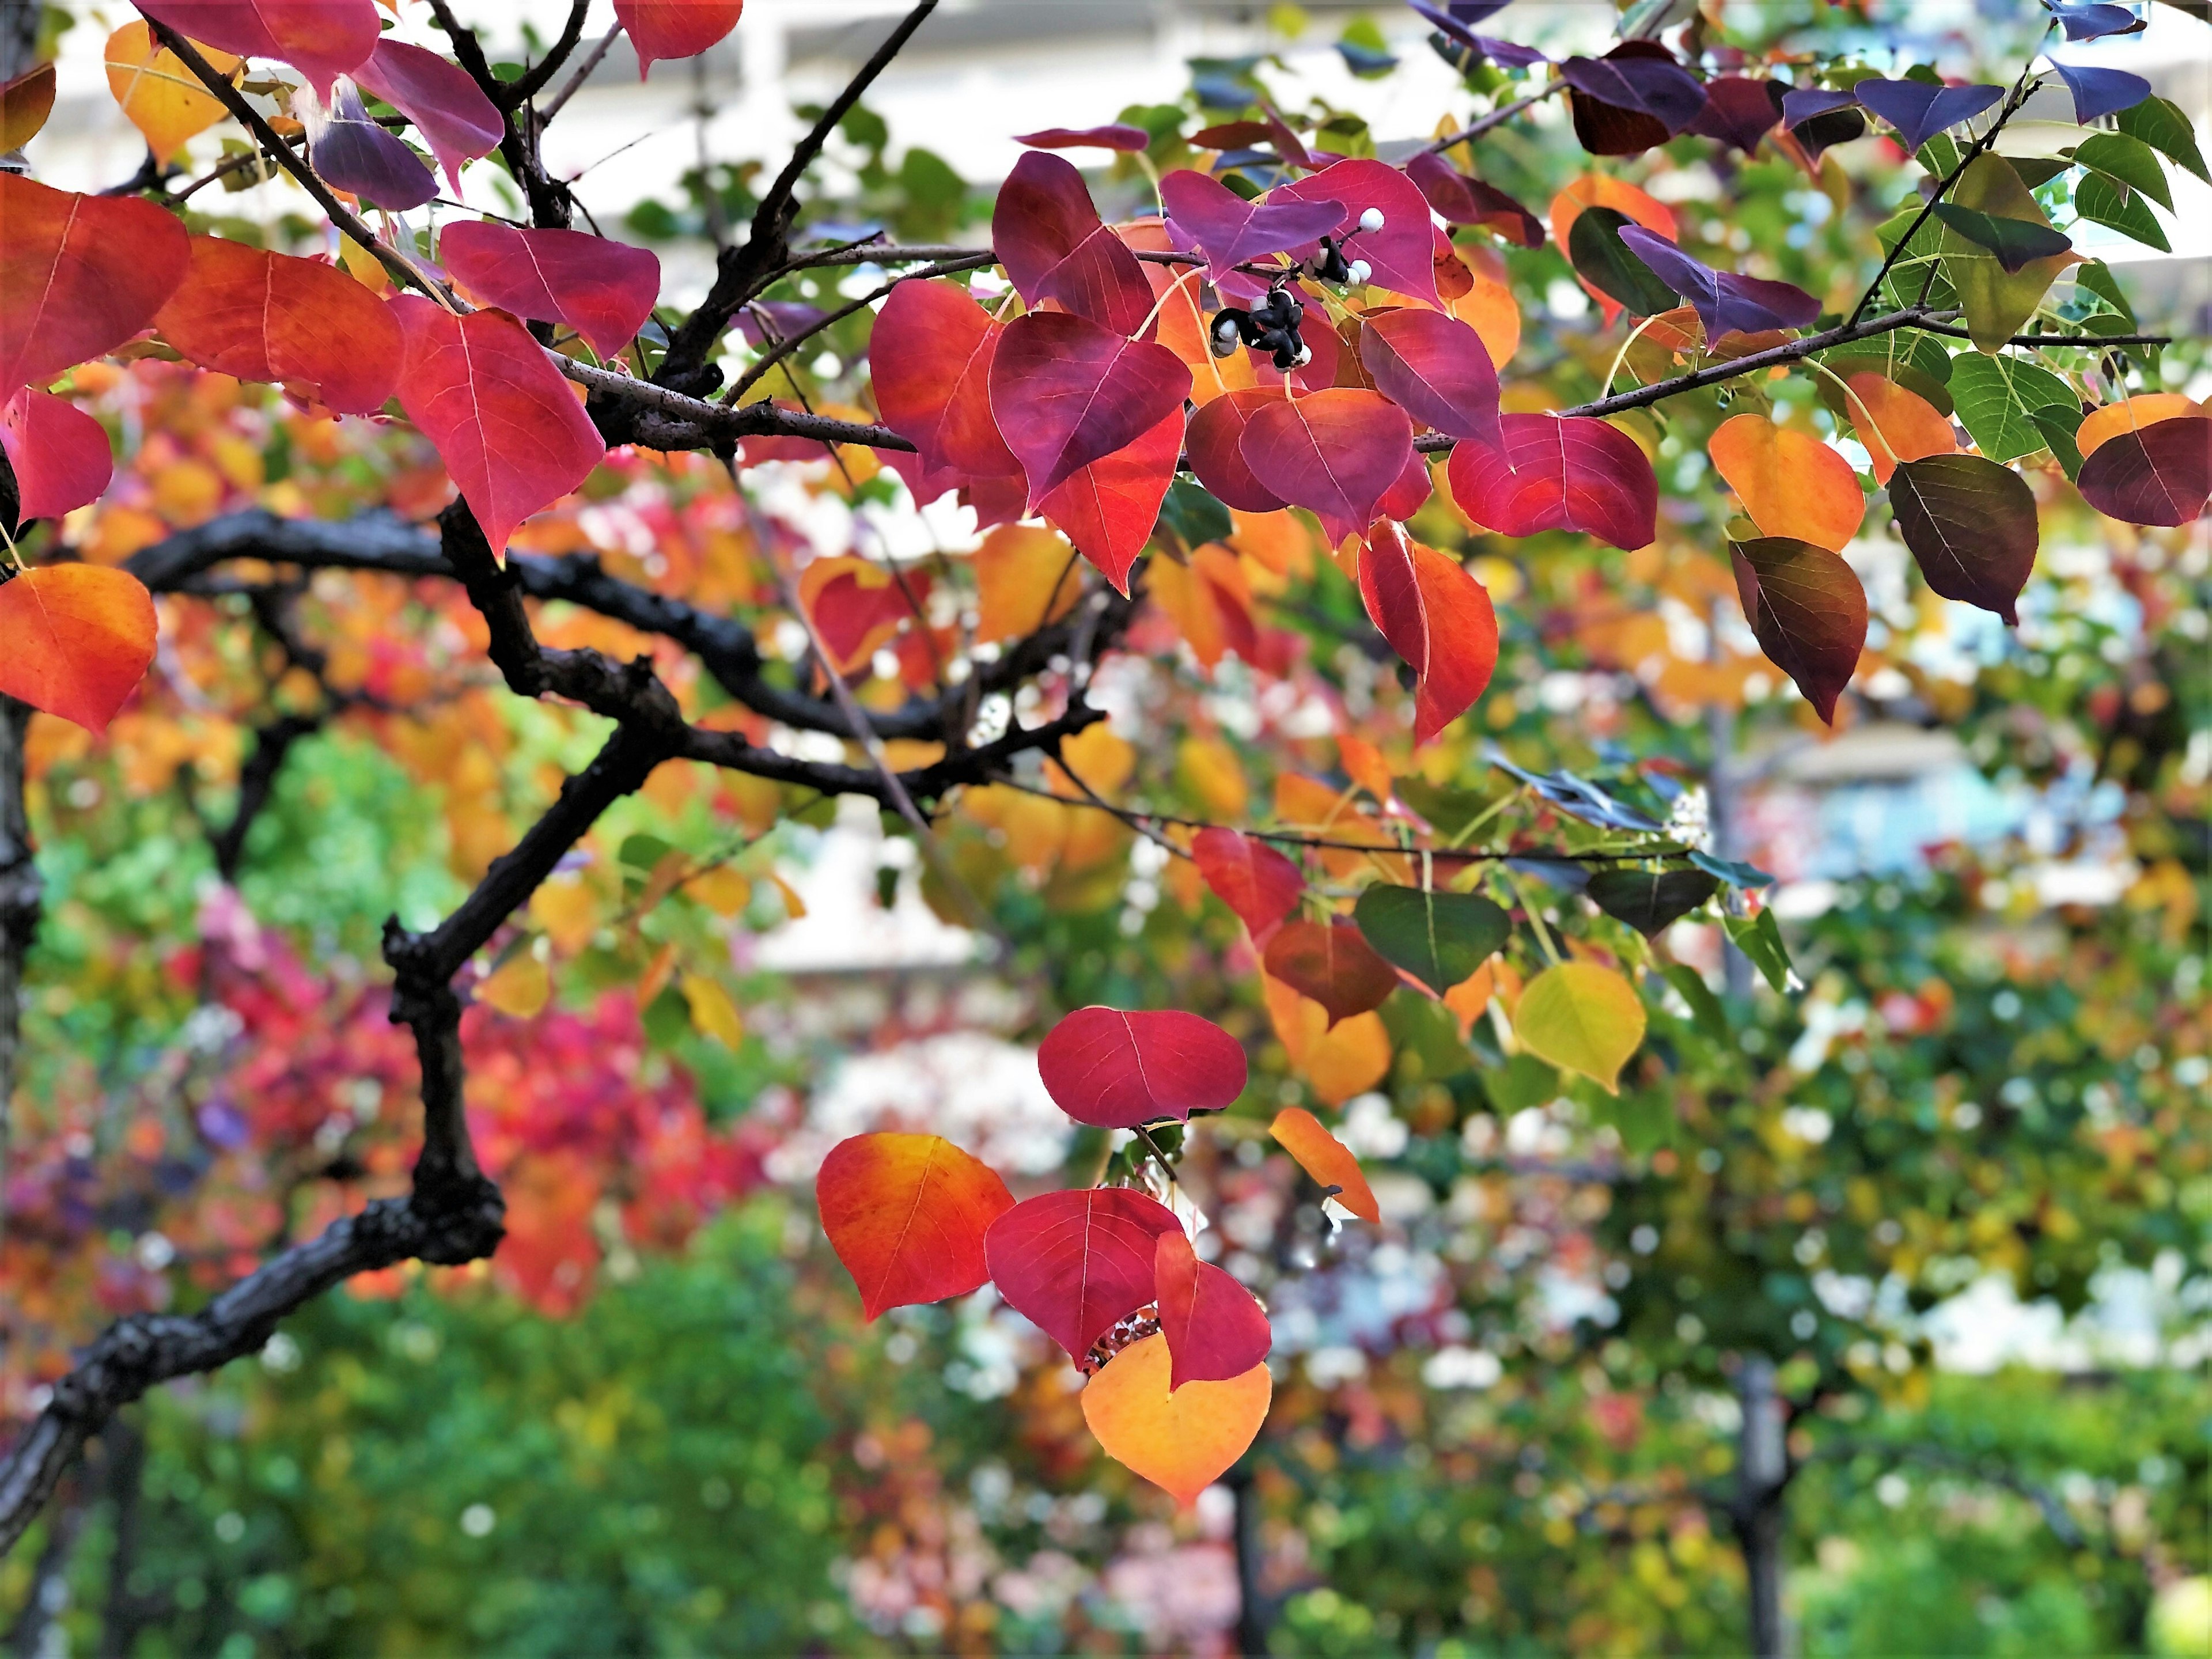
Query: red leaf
x,y
604,290
1466,201
1117,1070
1809,611
1555,473
59,454
1066,392
498,415
321,39
906,1215
440,97
1108,508
1074,1263
1114,136
1217,454
1400,254
2159,474
79,638
1249,875
1327,1159
79,274
1229,230
1436,369
675,28
931,353
1437,617
1332,964
271,317
1337,451
1216,1328
1405,497
1053,245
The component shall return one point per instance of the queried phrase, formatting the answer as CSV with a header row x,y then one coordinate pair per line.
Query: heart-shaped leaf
x,y
1999,398
1440,938
1117,1069
1337,451
1327,1159
2015,242
1400,254
2098,92
1332,964
1608,264
603,289
665,29
1919,111
1895,424
269,317
1559,473
1650,901
1216,449
60,455
1053,245
1740,110
442,99
1065,391
1808,610
1249,875
857,605
1581,1017
1076,1263
931,357
1216,1328
80,637
1436,368
79,274
906,1215
1229,230
2159,474
2128,414
1108,508
1971,526
1181,1440
1436,616
321,39
1997,302
1649,81
1789,482
499,416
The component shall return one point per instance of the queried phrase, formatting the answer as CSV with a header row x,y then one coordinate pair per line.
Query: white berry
x,y
1371,219
1360,271
1304,356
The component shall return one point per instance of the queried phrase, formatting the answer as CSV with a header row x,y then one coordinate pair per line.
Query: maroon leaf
x,y
1053,245
1740,110
1249,875
1216,448
440,98
60,455
1332,964
1971,523
1466,201
2159,474
1641,77
1074,1263
1808,610
931,353
1400,254
1229,230
1436,369
1216,1328
1108,508
1065,391
604,290
1556,472
1114,136
1116,1070
1337,451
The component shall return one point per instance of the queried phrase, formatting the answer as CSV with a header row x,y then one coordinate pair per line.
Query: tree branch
x,y
21,893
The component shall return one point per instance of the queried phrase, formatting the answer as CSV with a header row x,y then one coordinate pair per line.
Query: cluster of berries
x,y
1272,325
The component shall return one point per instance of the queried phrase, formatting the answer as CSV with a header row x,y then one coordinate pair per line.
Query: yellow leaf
x,y
1337,1061
1098,758
568,911
1025,578
794,906
364,266
721,890
158,95
1208,769
712,1014
1581,1017
520,985
1182,1442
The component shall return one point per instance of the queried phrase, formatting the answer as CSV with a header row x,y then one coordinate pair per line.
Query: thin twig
x,y
1497,118
785,347
578,75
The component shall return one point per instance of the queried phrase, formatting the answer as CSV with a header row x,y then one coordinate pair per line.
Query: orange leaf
x,y
1597,190
1026,577
906,1215
856,605
25,103
1327,1159
521,987
1896,425
2130,415
160,96
79,274
1364,765
1337,1061
80,638
1791,484
271,317
1182,1442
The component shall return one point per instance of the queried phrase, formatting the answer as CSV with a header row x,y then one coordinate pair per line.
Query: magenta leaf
x,y
1114,136
1216,1328
1555,472
1053,245
1117,1070
1725,301
59,454
1229,230
1075,1263
444,103
1436,368
1464,201
1337,451
1739,110
1066,392
1401,253
603,289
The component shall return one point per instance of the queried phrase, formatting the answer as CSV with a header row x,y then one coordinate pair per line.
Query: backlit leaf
x,y
160,96
1215,1328
931,357
664,29
1181,1440
1971,523
271,317
713,1014
1650,901
1074,1263
1025,577
603,289
25,103
1327,1159
1229,231
80,638
1337,451
1440,938
1401,253
1251,877
1790,482
1049,236
1581,1017
1337,1061
1216,449
520,988
60,455
1808,610
1998,398
907,1215
1759,938
1436,616
1436,368
321,39
1555,473
1066,392
443,100
1894,424
1108,508
1332,964
79,274
2127,415
2161,474
1117,1069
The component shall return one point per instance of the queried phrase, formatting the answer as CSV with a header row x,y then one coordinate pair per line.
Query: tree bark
x,y
1252,1611
1759,1512
19,917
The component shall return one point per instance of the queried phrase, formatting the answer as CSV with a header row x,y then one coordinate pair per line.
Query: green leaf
x,y
2036,170
2130,161
1996,301
1196,517
2014,241
1705,1010
1759,938
1523,1081
2160,122
1733,871
1424,1038
2105,201
1440,938
642,852
1450,812
1650,901
1604,261
1997,398
2097,277
2058,427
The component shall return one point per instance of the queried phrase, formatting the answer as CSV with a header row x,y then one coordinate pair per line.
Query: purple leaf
x,y
2101,92
1725,301
1919,111
1115,136
1655,86
1229,230
786,317
444,103
1464,201
352,153
1739,110
2093,21
1457,18
1801,103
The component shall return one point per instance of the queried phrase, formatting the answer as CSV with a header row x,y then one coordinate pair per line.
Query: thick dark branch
x,y
527,85
256,786
550,203
22,891
783,349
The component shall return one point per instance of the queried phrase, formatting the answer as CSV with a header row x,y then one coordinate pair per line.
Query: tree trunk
x,y
19,916
1251,1620
1759,1512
